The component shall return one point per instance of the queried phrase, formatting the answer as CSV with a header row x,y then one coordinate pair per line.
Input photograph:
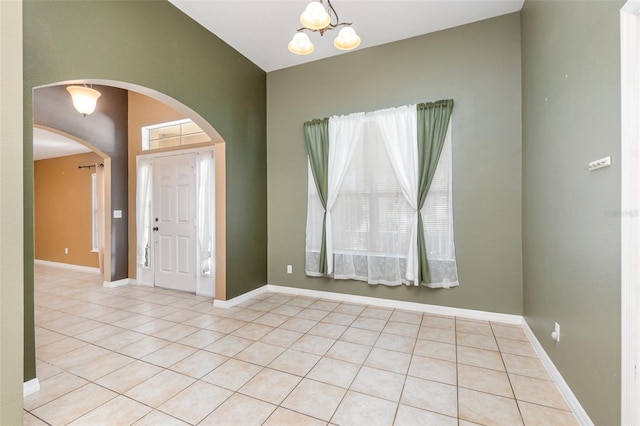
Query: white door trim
x,y
205,286
630,210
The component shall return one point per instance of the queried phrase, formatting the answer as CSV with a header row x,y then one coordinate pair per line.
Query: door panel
x,y
175,222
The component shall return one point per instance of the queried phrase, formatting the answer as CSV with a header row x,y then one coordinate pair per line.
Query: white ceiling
x,y
261,29
47,144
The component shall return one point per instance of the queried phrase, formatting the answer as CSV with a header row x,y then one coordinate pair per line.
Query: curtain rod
x,y
90,166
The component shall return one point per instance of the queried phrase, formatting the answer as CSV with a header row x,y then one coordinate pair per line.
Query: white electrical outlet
x,y
66,250
289,269
555,335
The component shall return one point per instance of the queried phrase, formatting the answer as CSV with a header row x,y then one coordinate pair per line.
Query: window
x,y
174,133
371,217
94,212
372,200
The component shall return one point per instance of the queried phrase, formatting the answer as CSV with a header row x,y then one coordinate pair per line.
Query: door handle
x,y
155,228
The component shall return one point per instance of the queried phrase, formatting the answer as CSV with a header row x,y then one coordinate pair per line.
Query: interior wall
x,y
63,209
11,215
120,41
571,221
477,65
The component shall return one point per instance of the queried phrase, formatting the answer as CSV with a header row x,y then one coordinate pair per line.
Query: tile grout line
x,y
507,374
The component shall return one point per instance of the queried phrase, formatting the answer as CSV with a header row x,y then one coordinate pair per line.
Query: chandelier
x,y
318,18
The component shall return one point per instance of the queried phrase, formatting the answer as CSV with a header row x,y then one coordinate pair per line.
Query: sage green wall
x,y
571,232
154,45
11,218
478,65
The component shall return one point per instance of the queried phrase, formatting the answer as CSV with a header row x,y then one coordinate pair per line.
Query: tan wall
x,y
62,195
146,111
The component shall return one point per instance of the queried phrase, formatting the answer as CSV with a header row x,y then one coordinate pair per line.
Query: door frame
x,y
205,285
630,210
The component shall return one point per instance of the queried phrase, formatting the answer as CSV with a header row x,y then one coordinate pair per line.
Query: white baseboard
x,y
66,266
246,296
118,283
572,401
398,304
32,386
374,301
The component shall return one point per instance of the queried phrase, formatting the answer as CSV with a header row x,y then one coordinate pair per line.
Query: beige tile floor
x,y
147,356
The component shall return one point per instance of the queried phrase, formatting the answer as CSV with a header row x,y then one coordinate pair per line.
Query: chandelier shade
x,y
301,45
84,98
347,39
315,17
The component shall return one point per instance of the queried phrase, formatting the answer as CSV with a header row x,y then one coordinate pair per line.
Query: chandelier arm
x,y
331,9
342,24
323,30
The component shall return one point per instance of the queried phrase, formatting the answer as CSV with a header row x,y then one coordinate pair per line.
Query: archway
x,y
121,191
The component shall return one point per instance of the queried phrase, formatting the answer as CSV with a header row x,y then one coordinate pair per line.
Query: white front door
x,y
174,222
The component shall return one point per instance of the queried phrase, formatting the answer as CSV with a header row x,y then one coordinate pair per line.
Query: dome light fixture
x,y
318,17
84,98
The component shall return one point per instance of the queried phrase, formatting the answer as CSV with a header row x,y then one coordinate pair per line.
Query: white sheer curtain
x,y
372,220
206,212
315,219
437,217
101,208
344,132
143,211
398,128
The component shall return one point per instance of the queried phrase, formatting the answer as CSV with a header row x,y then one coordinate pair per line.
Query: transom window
x,y
173,133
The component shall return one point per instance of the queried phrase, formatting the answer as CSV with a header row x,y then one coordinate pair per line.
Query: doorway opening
x,y
175,220
70,220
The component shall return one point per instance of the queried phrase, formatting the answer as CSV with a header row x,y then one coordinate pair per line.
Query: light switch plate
x,y
598,164
117,214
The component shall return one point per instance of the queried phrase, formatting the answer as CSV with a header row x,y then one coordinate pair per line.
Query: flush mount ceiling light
x,y
318,18
84,98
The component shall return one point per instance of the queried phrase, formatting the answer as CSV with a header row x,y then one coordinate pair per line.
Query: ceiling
x,y
47,144
261,29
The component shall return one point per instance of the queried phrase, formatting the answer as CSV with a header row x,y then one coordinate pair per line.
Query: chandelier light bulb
x,y
347,39
315,17
300,44
84,99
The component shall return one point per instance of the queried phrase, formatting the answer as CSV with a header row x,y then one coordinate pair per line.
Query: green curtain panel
x,y
433,121
316,135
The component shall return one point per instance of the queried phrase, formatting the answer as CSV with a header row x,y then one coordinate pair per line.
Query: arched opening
x,y
58,177
113,130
